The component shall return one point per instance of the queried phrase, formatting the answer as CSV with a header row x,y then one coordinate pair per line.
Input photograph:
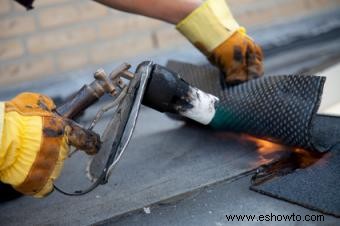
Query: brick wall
x,y
64,35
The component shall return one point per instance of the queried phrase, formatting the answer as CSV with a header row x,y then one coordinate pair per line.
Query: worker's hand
x,y
35,142
239,57
213,30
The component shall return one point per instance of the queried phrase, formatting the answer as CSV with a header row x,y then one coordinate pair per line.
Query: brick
x,y
10,27
49,2
115,27
69,14
120,49
236,5
18,8
25,70
10,49
5,6
72,60
168,37
60,39
321,4
38,4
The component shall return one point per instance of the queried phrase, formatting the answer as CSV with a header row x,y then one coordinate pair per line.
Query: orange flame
x,y
307,158
267,150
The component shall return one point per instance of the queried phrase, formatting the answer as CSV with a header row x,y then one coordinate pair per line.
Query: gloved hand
x,y
35,141
239,57
213,30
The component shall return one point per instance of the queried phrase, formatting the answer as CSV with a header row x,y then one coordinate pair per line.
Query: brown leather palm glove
x,y
214,31
239,57
35,141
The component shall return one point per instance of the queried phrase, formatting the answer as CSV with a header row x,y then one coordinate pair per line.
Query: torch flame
x,y
275,159
288,162
307,158
268,151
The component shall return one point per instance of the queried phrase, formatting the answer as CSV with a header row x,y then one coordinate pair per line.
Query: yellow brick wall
x,y
63,35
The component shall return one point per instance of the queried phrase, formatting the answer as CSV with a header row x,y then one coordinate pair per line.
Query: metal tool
x,y
155,85
122,86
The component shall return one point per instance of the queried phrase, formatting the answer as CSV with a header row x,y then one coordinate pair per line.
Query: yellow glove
x,y
214,31
34,143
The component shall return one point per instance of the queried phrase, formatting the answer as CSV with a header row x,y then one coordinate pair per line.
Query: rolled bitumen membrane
x,y
280,108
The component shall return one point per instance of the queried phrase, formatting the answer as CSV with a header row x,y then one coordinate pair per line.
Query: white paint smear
x,y
203,109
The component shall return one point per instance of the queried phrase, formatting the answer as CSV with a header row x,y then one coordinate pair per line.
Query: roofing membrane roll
x,y
280,108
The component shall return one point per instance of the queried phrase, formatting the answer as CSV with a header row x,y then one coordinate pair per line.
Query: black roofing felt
x,y
316,187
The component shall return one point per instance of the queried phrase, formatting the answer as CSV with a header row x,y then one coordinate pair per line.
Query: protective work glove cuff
x,y
209,25
33,145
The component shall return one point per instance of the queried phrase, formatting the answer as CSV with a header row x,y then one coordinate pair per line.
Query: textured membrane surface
x,y
280,108
204,77
276,107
